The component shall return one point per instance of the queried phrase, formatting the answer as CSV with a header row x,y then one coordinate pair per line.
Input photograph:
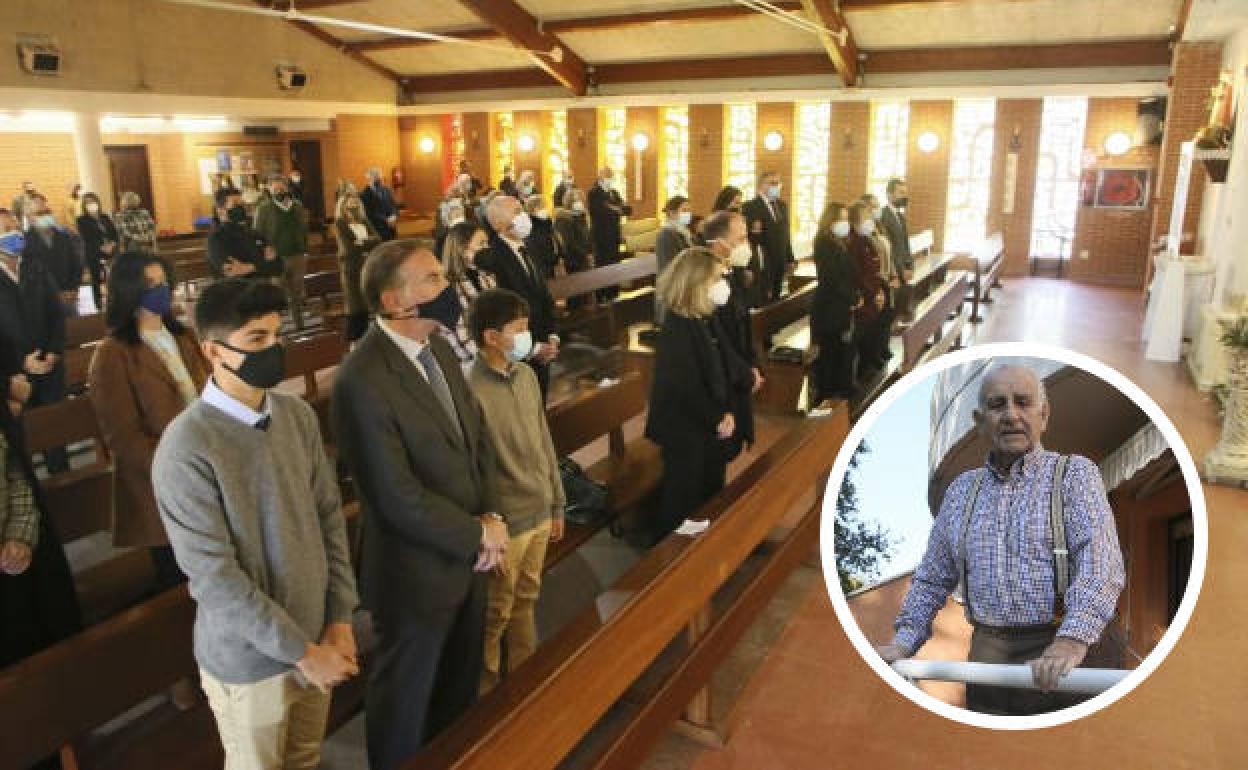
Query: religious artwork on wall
x,y
1122,188
1217,132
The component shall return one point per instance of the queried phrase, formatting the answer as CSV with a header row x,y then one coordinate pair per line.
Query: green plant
x,y
1235,333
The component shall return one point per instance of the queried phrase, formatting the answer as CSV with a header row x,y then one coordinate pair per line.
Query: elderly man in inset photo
x,y
1039,587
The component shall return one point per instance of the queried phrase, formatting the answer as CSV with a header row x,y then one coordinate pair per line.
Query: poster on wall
x,y
207,173
1123,188
223,160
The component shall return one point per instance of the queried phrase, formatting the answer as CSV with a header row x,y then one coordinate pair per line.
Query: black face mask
x,y
901,203
444,308
236,214
261,369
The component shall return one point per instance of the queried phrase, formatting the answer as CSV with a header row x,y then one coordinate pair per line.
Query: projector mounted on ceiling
x,y
39,58
291,78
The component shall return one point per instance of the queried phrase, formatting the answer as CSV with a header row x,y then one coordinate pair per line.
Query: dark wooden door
x,y
305,155
127,165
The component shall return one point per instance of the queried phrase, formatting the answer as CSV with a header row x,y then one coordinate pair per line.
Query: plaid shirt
x,y
1009,553
19,518
136,228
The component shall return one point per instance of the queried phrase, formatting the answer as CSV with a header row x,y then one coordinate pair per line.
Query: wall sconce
x,y
641,142
773,141
526,143
847,141
1016,139
580,137
704,141
476,140
928,142
1118,143
427,145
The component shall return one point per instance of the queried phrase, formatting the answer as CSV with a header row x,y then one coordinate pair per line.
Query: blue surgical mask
x,y
521,346
13,242
773,192
685,217
45,221
157,300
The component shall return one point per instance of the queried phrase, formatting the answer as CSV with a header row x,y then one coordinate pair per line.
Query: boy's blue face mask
x,y
13,243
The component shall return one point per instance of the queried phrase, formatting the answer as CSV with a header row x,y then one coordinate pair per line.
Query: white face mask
x,y
93,208
740,254
578,206
773,192
841,229
876,214
522,225
720,292
454,219
866,228
607,184
521,346
684,217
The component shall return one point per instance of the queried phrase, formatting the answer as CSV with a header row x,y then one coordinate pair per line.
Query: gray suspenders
x,y
1057,527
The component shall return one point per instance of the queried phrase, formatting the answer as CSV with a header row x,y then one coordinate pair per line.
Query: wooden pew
x,y
606,325
937,325
779,328
85,329
80,504
314,358
675,617
631,470
984,265
323,291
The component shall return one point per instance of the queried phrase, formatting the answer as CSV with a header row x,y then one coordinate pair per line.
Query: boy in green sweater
x,y
530,490
283,222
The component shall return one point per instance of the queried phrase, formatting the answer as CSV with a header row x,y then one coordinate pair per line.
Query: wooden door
x,y
305,155
127,165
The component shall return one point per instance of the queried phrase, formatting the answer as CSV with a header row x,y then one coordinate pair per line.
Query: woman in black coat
x,y
99,242
836,298
690,415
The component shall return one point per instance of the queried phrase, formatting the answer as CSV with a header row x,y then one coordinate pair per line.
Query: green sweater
x,y
255,520
286,231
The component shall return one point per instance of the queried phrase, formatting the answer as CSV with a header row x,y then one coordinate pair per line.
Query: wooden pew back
x,y
930,319
85,329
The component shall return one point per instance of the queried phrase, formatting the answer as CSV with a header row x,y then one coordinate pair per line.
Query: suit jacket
x,y
604,223
95,231
837,290
135,397
421,484
690,394
62,257
769,233
379,204
31,313
502,262
898,233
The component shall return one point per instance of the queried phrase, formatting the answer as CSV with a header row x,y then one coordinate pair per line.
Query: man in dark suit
x,y
767,219
379,205
606,208
510,262
898,232
415,440
32,318
57,250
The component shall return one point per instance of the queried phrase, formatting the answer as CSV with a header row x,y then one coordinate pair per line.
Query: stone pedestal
x,y
1206,359
1228,462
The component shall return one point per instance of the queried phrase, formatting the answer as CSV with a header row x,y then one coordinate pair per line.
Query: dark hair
x,y
894,183
831,215
726,197
859,212
674,203
87,197
126,283
717,224
494,309
381,268
230,304
224,193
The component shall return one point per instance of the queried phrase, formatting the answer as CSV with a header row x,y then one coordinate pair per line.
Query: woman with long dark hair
x,y
99,242
874,317
836,297
729,199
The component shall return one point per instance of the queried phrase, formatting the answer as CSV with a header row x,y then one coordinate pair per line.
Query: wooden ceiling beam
x,y
836,37
775,65
879,5
483,34
518,26
1130,53
488,80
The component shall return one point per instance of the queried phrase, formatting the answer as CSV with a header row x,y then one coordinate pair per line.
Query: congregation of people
x,y
438,415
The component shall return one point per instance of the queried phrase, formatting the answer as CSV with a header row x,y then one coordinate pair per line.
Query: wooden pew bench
x,y
781,333
314,359
631,469
984,265
938,323
606,324
322,292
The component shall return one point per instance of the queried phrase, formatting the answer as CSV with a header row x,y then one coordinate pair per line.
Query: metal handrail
x,y
1081,680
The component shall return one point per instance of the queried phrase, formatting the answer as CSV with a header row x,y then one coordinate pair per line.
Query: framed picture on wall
x,y
1123,188
1087,186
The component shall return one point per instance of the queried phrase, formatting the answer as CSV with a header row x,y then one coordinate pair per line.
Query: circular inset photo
x,y
1014,536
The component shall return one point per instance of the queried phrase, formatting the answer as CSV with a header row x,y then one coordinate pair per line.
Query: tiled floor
x,y
813,703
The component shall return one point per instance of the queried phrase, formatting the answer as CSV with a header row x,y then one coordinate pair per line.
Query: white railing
x,y
1081,680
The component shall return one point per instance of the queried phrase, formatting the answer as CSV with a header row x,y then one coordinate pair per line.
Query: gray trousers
x,y
1013,645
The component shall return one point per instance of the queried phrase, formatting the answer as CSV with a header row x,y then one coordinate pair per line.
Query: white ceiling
x,y
1216,19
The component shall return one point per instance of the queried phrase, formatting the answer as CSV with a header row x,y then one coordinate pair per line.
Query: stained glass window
x,y
614,145
504,145
886,156
557,151
970,173
675,152
1057,176
742,126
810,179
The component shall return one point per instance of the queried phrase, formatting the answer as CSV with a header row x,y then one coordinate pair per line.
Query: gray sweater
x,y
255,520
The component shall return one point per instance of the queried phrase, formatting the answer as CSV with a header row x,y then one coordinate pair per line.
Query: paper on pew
x,y
607,382
610,603
692,528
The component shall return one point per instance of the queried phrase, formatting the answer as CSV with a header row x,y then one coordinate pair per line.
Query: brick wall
x,y
644,120
583,145
45,159
927,173
1115,241
1195,71
365,141
706,155
777,116
422,171
847,151
1021,117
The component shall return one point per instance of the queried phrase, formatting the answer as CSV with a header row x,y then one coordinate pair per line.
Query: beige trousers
x,y
512,600
273,724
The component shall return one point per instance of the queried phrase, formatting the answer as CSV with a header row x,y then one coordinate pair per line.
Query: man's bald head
x,y
1013,411
501,210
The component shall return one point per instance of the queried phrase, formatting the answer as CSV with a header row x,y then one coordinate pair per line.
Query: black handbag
x,y
586,499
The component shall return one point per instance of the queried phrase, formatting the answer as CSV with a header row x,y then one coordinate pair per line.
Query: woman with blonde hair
x,y
463,241
356,238
690,415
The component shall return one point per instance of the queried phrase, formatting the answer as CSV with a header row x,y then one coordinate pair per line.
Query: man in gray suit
x,y
415,439
898,231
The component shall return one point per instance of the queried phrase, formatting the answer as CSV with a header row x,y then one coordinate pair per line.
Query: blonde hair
x,y
129,199
683,285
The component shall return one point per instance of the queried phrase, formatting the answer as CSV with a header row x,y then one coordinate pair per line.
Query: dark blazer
x,y
31,314
62,257
242,243
837,290
898,232
572,228
135,397
379,204
421,485
542,247
604,222
502,262
690,395
732,329
95,231
770,234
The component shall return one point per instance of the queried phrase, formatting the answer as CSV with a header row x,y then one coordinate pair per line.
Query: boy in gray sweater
x,y
251,505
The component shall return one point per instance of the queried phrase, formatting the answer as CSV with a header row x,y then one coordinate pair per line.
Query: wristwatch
x,y
494,516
